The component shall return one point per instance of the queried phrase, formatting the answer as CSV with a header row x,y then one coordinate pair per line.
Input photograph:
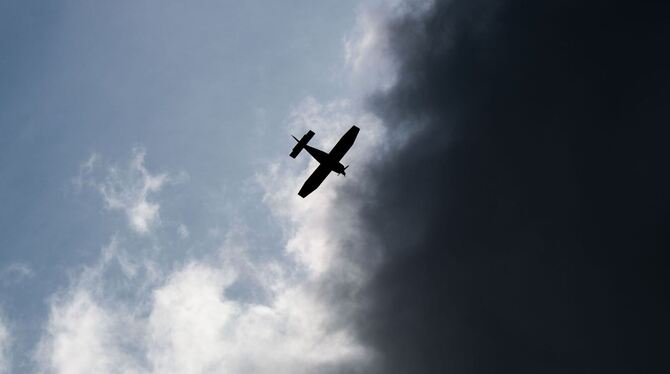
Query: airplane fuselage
x,y
325,159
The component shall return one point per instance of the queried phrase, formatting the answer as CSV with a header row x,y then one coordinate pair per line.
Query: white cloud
x,y
16,272
193,328
183,232
323,231
84,337
315,225
185,322
127,189
367,47
85,168
5,344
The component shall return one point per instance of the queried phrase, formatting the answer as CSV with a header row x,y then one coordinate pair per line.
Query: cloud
x,y
190,325
85,168
234,313
5,345
192,328
367,47
16,273
129,312
519,220
127,189
316,226
183,232
83,337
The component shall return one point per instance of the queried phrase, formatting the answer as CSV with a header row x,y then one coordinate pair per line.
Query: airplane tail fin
x,y
343,171
301,143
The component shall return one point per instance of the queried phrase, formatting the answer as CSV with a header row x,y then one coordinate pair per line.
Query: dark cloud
x,y
524,227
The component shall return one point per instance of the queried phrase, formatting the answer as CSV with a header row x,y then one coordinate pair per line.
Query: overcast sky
x,y
505,209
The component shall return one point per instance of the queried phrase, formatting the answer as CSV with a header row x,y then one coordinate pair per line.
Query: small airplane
x,y
327,161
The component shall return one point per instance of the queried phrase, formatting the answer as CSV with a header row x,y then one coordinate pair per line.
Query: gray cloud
x,y
521,225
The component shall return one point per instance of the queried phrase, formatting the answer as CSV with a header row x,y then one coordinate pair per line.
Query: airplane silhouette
x,y
327,161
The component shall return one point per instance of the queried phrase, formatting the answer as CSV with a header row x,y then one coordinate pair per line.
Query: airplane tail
x,y
343,171
301,143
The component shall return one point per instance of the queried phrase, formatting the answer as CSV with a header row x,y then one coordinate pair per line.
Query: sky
x,y
505,208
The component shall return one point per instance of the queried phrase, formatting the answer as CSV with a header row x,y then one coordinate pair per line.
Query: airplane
x,y
327,161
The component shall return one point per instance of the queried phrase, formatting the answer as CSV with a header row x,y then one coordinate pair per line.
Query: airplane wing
x,y
314,180
344,144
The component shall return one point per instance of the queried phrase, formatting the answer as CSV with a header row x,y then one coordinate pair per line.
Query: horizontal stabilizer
x,y
301,143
